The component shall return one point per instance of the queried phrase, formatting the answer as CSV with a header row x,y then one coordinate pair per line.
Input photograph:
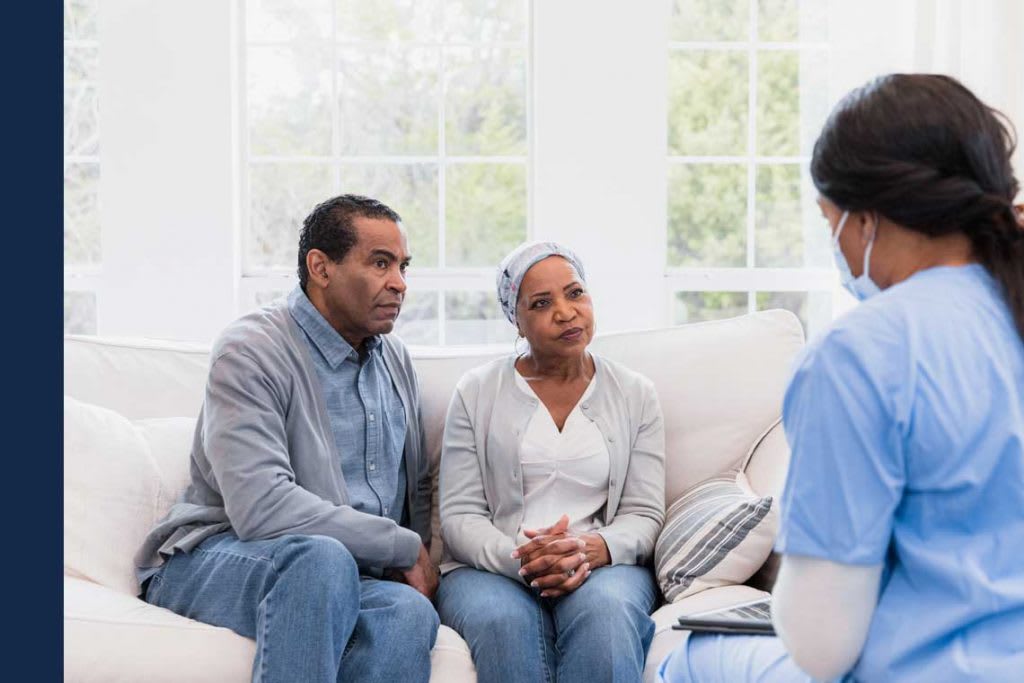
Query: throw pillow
x,y
718,533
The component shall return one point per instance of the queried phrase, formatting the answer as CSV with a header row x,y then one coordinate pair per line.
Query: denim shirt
x,y
365,410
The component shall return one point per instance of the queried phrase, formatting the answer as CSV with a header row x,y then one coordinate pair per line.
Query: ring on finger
x,y
571,573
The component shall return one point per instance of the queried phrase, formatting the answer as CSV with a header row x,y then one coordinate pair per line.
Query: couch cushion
x,y
119,479
718,533
110,637
720,383
138,378
111,494
720,386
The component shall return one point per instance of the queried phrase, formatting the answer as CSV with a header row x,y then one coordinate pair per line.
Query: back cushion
x,y
119,479
138,378
720,386
111,488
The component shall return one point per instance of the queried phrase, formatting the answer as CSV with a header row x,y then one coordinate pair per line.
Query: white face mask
x,y
861,287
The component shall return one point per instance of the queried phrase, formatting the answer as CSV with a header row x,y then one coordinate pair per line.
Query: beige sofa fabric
x,y
720,385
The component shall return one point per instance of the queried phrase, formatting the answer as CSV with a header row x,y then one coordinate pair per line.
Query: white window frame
x,y
82,277
749,279
440,279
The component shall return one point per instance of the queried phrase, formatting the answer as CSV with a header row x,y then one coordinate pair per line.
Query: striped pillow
x,y
718,533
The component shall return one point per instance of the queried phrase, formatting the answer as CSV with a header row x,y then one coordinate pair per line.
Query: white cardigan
x,y
481,486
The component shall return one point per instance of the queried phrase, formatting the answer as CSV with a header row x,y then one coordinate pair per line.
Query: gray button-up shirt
x,y
365,410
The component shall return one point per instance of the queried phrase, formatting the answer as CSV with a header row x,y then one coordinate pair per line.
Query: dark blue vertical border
x,y
32,229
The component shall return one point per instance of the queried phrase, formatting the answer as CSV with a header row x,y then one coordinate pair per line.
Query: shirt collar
x,y
331,345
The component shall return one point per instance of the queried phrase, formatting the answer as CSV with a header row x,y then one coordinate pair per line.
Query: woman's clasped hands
x,y
558,561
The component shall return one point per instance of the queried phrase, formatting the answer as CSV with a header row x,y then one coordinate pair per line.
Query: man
x,y
310,486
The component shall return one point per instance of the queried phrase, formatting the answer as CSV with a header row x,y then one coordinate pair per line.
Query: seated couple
x,y
307,519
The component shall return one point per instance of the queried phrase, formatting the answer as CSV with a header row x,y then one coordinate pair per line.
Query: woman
x,y
552,492
903,510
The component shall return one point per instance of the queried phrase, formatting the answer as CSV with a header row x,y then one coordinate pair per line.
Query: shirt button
x,y
585,406
385,509
373,466
611,439
371,417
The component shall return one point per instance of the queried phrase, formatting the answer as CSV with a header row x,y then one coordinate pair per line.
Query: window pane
x,y
707,111
289,105
266,297
81,121
81,65
475,318
389,20
485,212
409,189
485,21
79,313
814,97
81,214
280,197
792,20
288,20
779,238
778,20
485,101
790,230
813,308
388,100
80,19
778,103
692,307
707,208
81,104
795,302
705,20
417,322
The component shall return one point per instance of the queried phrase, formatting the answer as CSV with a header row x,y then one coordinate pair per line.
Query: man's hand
x,y
422,576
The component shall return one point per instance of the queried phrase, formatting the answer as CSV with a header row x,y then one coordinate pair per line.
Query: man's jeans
x,y
301,598
598,633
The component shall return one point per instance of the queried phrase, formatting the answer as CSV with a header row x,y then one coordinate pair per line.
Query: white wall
x,y
169,156
600,100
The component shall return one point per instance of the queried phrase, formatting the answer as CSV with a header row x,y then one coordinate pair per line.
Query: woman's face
x,y
554,310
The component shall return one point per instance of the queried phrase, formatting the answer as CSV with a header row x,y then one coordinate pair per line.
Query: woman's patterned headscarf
x,y
514,266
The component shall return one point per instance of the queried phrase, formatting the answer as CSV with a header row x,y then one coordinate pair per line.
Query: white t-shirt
x,y
563,472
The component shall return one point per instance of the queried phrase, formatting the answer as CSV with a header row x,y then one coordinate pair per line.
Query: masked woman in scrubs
x,y
902,517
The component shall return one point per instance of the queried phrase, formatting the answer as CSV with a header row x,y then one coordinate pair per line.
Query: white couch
x,y
720,385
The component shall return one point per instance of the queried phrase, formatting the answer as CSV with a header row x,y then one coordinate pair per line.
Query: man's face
x,y
365,289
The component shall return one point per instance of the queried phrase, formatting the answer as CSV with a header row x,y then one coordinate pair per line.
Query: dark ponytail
x,y
927,154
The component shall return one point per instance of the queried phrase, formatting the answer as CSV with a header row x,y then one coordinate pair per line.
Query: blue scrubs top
x,y
906,424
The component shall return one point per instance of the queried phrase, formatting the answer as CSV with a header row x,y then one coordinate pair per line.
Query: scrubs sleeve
x,y
846,473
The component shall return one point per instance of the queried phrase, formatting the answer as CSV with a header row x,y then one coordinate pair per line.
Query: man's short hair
x,y
328,227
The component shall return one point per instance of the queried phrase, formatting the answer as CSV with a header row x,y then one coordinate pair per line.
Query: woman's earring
x,y
515,345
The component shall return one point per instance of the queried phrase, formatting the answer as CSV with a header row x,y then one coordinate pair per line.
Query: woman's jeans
x,y
598,633
302,599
